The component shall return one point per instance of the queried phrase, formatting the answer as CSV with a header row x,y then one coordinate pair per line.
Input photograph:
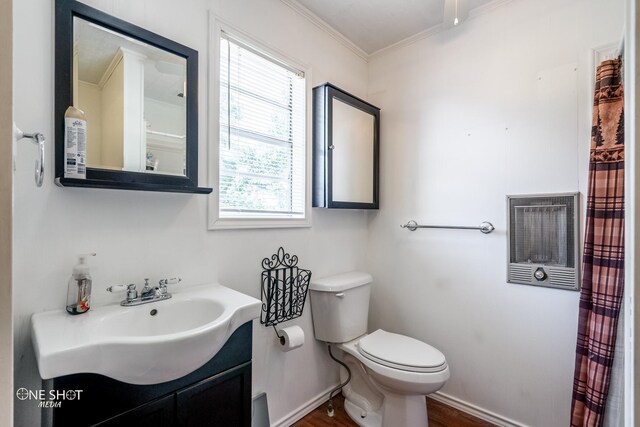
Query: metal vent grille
x,y
565,278
520,273
543,240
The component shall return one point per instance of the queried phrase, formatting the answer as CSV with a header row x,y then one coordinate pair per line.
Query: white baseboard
x,y
474,410
454,402
299,413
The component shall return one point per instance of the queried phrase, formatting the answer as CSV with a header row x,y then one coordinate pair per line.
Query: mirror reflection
x,y
133,95
353,142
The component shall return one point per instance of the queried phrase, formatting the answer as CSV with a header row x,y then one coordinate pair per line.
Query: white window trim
x,y
215,222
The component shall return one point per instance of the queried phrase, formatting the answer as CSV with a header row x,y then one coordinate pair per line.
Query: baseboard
x,y
299,413
474,410
478,412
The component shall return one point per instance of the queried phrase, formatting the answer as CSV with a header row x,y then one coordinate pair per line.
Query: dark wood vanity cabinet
x,y
216,395
194,403
159,413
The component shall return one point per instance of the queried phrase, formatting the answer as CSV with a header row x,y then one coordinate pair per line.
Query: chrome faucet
x,y
147,291
147,294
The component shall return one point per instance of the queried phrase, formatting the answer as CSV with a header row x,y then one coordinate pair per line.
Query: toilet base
x,y
405,411
372,419
397,411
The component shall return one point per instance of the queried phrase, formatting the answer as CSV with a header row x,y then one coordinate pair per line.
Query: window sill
x,y
255,223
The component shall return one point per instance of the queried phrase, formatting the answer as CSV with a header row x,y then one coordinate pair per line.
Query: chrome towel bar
x,y
485,227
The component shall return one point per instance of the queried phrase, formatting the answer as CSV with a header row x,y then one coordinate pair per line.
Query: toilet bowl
x,y
390,373
403,370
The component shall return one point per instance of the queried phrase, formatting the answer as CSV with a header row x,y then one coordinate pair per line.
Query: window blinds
x,y
262,134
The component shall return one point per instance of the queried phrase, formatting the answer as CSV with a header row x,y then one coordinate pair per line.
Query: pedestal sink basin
x,y
144,344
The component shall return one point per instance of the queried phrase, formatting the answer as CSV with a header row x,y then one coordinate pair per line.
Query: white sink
x,y
145,344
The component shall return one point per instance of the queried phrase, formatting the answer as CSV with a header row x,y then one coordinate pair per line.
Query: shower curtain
x,y
603,259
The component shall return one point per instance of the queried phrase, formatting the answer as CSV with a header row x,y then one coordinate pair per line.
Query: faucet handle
x,y
172,281
162,289
132,292
117,288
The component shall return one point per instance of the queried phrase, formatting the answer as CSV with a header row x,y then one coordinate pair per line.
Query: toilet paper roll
x,y
291,338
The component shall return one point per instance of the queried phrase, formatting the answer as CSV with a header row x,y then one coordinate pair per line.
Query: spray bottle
x,y
75,142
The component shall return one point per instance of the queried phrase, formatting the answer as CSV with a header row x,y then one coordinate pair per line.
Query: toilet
x,y
390,373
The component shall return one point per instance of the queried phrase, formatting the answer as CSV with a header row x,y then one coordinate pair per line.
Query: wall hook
x,y
39,139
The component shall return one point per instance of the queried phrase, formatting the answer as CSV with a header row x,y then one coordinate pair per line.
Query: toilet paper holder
x,y
281,338
284,289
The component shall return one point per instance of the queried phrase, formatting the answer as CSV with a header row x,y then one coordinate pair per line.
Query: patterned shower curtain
x,y
603,259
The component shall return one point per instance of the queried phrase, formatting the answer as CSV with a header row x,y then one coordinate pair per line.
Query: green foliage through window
x,y
262,134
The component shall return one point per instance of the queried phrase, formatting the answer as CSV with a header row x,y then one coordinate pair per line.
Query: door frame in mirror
x,y
66,10
323,97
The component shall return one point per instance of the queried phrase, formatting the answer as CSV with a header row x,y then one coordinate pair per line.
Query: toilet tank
x,y
340,306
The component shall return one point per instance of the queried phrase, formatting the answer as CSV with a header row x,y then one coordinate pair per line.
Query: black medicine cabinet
x,y
346,150
139,92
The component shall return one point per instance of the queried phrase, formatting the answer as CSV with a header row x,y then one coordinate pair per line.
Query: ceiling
x,y
375,24
164,72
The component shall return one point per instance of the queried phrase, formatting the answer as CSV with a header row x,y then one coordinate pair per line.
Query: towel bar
x,y
485,227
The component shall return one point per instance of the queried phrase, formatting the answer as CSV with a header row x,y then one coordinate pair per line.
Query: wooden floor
x,y
440,415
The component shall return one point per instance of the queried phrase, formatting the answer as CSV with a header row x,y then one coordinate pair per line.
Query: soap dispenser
x,y
79,290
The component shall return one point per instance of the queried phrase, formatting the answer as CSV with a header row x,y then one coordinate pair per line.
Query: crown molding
x,y
431,31
337,35
320,23
473,13
486,8
117,58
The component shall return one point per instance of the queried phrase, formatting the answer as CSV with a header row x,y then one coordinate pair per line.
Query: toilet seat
x,y
401,352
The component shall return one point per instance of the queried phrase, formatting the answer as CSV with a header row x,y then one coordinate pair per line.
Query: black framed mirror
x,y
139,93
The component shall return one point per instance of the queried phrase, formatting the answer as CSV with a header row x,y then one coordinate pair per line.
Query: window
x,y
262,138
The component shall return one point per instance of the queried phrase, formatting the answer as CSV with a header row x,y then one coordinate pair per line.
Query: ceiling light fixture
x,y
455,12
456,21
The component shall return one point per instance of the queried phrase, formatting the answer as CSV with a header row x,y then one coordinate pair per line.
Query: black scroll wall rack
x,y
284,288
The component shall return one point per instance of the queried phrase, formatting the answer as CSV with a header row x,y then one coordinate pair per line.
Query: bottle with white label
x,y
75,142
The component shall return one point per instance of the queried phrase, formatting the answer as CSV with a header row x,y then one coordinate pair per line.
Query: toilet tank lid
x,y
340,282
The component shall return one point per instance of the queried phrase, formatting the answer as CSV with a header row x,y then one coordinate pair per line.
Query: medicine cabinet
x,y
346,150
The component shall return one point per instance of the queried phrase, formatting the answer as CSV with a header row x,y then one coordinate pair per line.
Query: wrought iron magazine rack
x,y
284,288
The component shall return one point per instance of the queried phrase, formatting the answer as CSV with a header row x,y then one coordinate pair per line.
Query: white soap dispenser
x,y
79,289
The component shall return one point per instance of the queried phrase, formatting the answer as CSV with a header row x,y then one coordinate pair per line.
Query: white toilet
x,y
390,373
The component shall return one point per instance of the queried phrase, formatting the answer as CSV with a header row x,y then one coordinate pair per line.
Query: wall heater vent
x,y
543,240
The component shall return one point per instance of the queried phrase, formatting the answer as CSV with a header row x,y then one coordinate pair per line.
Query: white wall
x,y
113,141
140,234
165,117
6,212
90,102
500,105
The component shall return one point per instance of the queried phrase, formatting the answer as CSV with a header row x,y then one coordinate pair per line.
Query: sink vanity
x,y
182,361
